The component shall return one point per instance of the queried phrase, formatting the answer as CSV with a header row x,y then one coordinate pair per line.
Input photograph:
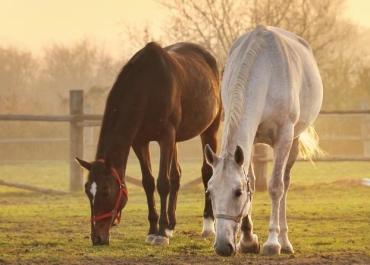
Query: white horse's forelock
x,y
236,101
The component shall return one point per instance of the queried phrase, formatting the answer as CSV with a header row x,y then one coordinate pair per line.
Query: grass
x,y
328,215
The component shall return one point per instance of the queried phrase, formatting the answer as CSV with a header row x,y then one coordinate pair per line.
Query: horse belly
x,y
197,118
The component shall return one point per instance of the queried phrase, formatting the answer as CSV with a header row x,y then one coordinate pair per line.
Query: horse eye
x,y
238,193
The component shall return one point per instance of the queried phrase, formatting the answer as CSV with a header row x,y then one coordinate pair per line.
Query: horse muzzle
x,y
225,240
99,241
100,234
225,249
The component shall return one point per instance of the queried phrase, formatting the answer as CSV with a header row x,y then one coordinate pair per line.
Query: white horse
x,y
272,93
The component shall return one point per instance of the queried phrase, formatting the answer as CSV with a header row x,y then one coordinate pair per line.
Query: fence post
x,y
365,129
260,166
76,102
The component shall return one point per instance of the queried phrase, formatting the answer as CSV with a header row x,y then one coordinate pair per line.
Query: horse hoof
x,y
160,240
287,250
271,249
208,233
253,246
253,249
149,238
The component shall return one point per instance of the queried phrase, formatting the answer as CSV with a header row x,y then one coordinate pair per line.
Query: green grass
x,y
328,216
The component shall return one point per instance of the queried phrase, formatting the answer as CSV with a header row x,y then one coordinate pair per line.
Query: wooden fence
x,y
78,121
76,118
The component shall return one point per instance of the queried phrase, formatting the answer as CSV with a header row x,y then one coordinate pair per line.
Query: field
x,y
328,214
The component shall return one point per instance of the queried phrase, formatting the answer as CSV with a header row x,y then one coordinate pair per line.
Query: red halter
x,y
122,190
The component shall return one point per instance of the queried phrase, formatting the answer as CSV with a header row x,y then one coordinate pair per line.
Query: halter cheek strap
x,y
115,214
236,218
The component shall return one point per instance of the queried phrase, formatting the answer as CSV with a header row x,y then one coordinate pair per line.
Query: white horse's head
x,y
231,196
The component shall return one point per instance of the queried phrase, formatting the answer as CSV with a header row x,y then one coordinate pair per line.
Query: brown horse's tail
x,y
309,144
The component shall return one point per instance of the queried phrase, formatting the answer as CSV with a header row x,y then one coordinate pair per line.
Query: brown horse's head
x,y
107,194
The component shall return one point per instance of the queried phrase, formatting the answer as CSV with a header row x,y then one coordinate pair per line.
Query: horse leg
x,y
175,186
209,136
142,153
286,246
248,242
281,147
167,146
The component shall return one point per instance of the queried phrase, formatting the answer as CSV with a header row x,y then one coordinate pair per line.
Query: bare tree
x,y
78,66
217,23
213,23
18,71
139,35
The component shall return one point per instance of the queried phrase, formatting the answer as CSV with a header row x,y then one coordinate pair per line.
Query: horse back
x,y
283,83
196,82
173,86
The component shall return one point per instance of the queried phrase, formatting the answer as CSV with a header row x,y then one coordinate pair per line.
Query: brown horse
x,y
166,95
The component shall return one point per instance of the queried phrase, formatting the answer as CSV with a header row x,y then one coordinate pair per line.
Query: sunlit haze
x,y
35,24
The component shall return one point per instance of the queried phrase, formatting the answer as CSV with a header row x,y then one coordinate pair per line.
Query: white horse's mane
x,y
236,101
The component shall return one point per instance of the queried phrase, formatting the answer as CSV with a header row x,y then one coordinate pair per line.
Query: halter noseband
x,y
115,214
238,217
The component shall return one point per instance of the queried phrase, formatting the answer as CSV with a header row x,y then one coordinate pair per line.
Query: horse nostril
x,y
231,247
97,240
226,250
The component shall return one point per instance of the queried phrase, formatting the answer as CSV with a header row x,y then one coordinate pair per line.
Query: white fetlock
x,y
271,249
208,227
169,232
160,240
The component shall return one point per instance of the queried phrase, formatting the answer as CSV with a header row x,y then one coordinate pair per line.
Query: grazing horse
x,y
167,95
272,92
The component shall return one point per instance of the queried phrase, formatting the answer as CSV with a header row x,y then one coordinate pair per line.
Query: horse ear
x,y
239,156
83,163
209,155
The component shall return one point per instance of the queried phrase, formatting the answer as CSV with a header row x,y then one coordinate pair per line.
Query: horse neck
x,y
243,131
243,136
117,155
243,101
116,137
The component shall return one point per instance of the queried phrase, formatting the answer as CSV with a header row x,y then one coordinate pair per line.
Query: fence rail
x,y
78,121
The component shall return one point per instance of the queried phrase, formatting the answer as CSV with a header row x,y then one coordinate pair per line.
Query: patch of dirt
x,y
345,259
348,182
337,259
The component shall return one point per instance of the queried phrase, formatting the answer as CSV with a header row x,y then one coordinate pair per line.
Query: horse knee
x,y
148,184
163,185
276,189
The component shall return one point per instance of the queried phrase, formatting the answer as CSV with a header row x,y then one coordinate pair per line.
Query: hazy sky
x,y
34,24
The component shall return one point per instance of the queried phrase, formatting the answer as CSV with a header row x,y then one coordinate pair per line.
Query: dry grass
x,y
328,214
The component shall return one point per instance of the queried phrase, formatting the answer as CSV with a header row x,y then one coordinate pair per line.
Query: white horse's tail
x,y
309,144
